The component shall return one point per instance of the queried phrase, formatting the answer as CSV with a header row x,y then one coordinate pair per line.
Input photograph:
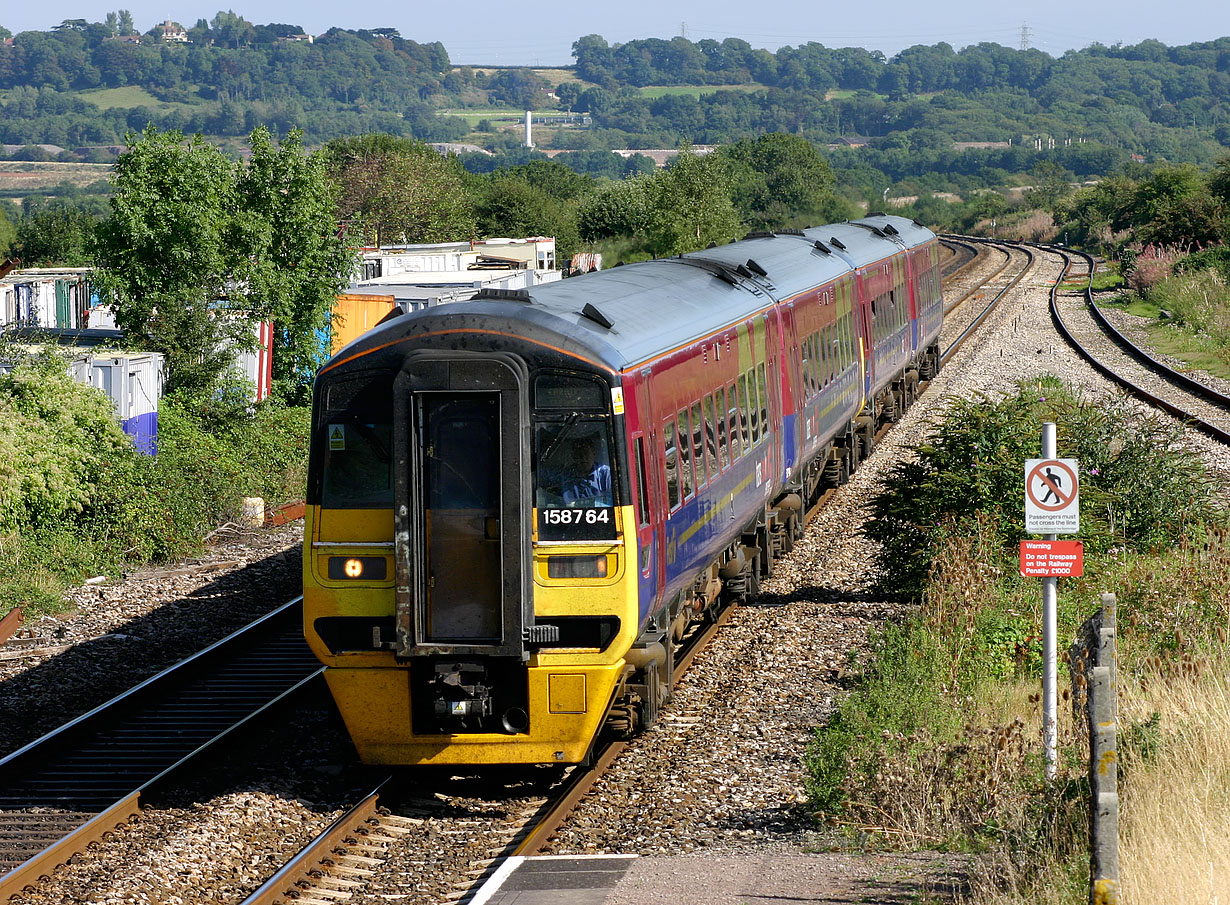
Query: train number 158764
x,y
577,523
576,516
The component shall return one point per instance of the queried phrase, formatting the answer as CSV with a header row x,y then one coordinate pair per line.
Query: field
x,y
696,91
125,98
21,177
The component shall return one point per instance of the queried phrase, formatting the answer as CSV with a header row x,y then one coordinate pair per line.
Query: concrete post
x,y
1103,762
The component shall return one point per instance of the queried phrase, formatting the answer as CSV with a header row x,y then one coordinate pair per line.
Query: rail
x,y
1152,398
67,788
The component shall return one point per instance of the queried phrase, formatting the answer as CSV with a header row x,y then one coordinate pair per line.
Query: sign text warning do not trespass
x,y
1052,496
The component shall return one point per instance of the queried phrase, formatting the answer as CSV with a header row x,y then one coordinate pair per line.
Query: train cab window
x,y
719,402
761,385
685,456
642,489
711,454
568,393
698,445
672,464
355,437
573,464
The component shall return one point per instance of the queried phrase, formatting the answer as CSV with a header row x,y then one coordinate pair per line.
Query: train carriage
x,y
518,504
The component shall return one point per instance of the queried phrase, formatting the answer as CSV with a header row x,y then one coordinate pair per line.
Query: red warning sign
x,y
1052,558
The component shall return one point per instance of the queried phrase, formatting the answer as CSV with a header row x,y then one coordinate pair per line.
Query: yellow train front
x,y
472,602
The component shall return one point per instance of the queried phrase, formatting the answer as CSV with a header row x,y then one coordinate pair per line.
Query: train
x,y
518,505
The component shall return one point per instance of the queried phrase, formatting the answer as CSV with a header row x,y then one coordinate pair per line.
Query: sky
x,y
541,34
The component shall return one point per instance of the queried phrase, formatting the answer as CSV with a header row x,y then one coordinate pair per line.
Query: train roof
x,y
630,314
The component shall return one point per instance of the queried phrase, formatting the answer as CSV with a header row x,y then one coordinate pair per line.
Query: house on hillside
x,y
171,33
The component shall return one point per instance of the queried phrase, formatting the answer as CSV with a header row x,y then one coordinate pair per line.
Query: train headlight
x,y
358,568
576,566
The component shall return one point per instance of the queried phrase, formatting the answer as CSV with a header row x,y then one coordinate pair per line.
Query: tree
x,y
514,207
53,233
400,190
167,254
780,180
298,262
197,251
690,205
8,233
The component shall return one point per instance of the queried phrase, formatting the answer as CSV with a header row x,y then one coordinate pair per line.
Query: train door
x,y
867,343
460,442
648,495
461,517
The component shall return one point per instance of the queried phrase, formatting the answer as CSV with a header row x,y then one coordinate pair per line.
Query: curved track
x,y
66,789
1087,330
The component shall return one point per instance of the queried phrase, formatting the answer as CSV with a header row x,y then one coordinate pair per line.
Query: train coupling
x,y
460,692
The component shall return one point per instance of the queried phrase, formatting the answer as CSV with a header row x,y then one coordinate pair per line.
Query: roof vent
x,y
743,272
877,214
756,268
790,232
821,247
392,315
502,295
760,234
890,229
596,316
836,243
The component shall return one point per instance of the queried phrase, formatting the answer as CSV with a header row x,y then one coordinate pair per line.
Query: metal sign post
x,y
1052,507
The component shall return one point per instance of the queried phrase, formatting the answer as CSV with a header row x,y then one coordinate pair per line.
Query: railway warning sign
x,y
1052,558
1052,496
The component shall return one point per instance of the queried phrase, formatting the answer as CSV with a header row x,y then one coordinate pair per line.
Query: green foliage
x,y
1138,485
197,251
77,499
297,264
54,233
690,205
56,440
400,190
780,181
168,251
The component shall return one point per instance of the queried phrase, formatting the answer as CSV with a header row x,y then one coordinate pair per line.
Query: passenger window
x,y
642,491
744,414
698,445
753,414
719,402
672,464
732,414
685,456
711,453
764,401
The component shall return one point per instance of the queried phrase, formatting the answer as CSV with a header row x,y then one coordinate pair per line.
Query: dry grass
x,y
1175,817
18,177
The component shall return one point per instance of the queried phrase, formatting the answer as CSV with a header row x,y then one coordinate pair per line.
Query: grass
x,y
696,91
126,98
1186,318
1175,817
939,743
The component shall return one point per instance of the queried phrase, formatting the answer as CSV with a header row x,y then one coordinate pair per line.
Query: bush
x,y
1139,486
77,499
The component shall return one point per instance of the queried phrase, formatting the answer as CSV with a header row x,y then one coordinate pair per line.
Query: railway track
x,y
315,872
344,858
71,786
1085,327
